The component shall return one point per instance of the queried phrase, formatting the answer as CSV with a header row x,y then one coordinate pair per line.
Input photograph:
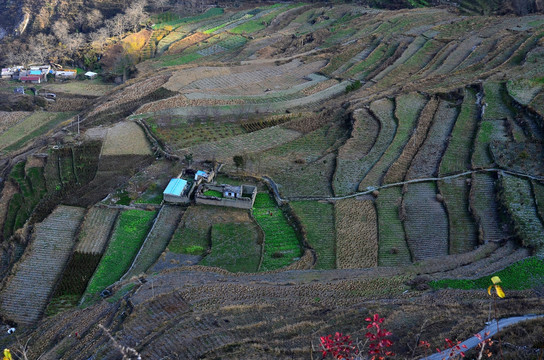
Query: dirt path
x,y
413,181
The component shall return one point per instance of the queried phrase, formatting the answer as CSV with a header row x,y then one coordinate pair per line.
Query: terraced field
x,y
356,234
318,221
96,229
426,240
27,293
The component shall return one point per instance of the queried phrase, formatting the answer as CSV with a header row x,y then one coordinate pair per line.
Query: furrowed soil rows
x,y
414,47
356,234
96,230
484,206
318,221
392,247
407,110
157,239
462,227
427,159
517,198
125,138
9,119
27,292
465,49
458,153
354,161
489,131
426,239
397,171
522,90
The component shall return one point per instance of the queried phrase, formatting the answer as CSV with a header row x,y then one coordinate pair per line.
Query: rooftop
x,y
175,187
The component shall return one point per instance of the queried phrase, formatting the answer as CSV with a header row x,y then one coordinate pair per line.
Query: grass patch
x,y
178,60
214,193
281,245
235,247
128,235
318,221
524,274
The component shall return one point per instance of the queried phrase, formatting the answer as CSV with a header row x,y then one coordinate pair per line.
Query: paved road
x,y
491,328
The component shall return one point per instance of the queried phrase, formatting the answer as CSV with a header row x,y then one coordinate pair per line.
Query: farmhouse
x,y
90,74
177,191
32,78
65,74
242,196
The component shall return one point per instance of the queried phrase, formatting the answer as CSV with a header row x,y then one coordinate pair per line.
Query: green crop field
x,y
458,153
281,245
127,237
318,222
524,274
235,247
175,23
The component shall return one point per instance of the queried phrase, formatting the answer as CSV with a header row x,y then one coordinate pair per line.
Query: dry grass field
x,y
125,138
356,234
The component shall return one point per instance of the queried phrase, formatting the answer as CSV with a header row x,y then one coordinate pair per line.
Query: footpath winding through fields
x,y
274,185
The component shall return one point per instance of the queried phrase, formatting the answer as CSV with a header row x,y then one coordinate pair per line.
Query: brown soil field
x,y
356,234
125,138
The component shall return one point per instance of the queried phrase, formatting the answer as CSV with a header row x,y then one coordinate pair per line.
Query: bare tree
x,y
159,4
61,30
94,18
135,14
117,25
99,37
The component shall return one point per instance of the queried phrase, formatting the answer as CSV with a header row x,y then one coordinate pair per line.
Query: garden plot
x,y
281,244
392,247
27,292
354,161
356,234
427,159
87,87
383,51
192,236
340,65
462,228
397,171
407,110
426,239
317,219
125,138
457,157
169,39
30,127
439,59
483,50
235,247
156,240
181,45
223,150
517,197
483,205
96,230
128,235
489,131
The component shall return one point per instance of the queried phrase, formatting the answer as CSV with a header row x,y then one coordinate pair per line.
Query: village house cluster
x,y
38,74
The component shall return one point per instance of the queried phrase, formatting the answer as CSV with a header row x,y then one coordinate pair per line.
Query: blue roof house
x,y
176,191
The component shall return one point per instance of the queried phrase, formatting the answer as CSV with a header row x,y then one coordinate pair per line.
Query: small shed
x,y
201,174
232,192
174,192
90,74
66,74
19,90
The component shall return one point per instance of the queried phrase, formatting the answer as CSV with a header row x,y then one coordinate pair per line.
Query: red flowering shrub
x,y
378,339
340,346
